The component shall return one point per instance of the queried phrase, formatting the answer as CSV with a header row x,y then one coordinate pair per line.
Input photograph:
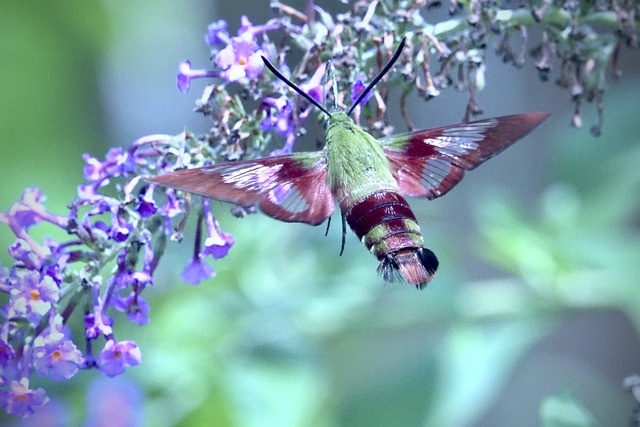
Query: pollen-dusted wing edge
x,y
290,188
429,163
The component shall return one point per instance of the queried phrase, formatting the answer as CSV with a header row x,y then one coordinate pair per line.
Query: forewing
x,y
290,188
429,163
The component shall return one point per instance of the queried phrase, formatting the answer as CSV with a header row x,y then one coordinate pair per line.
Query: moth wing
x,y
429,163
291,188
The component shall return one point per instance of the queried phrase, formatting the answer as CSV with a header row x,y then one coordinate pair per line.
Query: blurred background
x,y
535,308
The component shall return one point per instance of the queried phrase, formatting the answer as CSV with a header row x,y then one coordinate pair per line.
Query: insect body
x,y
362,182
367,177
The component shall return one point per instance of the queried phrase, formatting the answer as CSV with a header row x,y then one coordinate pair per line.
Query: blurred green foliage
x,y
564,411
291,334
50,102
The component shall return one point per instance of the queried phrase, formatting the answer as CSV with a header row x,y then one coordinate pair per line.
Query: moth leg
x,y
344,232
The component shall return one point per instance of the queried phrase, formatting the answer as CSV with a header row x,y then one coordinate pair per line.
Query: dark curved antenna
x,y
292,85
381,74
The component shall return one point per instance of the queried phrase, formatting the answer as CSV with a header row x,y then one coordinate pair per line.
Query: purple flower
x,y
20,400
146,205
117,163
56,267
6,355
88,192
240,58
196,271
97,323
56,356
217,33
248,29
32,295
134,305
22,251
279,115
116,356
186,74
357,88
173,205
245,26
120,229
30,210
314,87
218,243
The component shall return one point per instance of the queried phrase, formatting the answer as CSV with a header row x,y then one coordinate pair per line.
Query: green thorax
x,y
357,164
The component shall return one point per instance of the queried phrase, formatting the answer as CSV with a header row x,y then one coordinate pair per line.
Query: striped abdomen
x,y
384,222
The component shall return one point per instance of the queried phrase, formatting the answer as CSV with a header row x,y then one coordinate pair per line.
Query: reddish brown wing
x,y
289,188
429,163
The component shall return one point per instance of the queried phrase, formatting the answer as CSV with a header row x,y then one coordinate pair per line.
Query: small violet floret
x,y
20,400
240,58
116,356
33,295
56,356
186,74
357,88
217,33
197,271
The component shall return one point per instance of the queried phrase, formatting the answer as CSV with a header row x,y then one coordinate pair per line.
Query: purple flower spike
x,y
241,58
20,400
196,271
186,74
116,356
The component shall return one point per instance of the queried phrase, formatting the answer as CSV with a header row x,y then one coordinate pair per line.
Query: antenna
x,y
334,84
306,96
381,74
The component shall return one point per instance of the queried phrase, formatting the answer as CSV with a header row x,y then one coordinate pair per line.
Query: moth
x,y
368,178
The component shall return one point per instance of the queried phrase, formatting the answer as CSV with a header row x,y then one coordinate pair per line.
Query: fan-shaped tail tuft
x,y
415,266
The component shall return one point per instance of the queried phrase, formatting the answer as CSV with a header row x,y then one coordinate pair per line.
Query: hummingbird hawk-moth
x,y
367,177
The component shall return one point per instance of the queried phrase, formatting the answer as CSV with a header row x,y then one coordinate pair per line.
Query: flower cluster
x,y
114,246
118,226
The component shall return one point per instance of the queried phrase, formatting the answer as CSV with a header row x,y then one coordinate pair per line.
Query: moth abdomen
x,y
386,225
416,266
